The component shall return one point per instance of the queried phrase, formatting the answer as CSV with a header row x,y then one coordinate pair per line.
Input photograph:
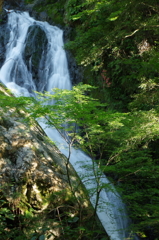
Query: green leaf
x,y
73,220
34,238
42,237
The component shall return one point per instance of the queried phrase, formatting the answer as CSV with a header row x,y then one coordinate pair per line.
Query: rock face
x,y
76,72
36,46
16,4
34,179
4,37
27,159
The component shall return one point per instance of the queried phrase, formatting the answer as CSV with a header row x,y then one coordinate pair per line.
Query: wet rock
x,y
4,37
14,4
76,71
36,46
43,16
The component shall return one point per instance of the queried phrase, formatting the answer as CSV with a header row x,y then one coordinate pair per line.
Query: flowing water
x,y
53,73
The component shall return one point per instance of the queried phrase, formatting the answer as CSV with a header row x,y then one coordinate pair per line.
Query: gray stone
x,y
29,164
36,46
43,16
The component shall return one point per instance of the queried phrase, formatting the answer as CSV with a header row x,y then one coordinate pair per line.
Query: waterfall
x,y
53,73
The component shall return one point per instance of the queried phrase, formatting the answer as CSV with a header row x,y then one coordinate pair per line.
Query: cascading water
x,y
53,73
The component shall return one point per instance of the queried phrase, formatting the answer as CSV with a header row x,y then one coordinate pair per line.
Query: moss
x,y
1,5
28,1
55,10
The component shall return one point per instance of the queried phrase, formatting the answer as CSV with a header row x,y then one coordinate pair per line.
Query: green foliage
x,y
117,43
121,38
128,52
54,10
29,1
75,108
61,220
64,212
122,144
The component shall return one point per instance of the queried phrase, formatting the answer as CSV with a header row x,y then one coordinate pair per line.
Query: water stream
x,y
53,72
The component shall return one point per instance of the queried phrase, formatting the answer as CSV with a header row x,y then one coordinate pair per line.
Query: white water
x,y
54,73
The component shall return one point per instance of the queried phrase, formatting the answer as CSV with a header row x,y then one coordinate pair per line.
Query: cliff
x,y
37,201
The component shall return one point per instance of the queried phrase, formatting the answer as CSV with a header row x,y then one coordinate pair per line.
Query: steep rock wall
x,y
34,179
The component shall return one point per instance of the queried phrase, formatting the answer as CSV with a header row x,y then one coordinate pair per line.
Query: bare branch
x,y
132,33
